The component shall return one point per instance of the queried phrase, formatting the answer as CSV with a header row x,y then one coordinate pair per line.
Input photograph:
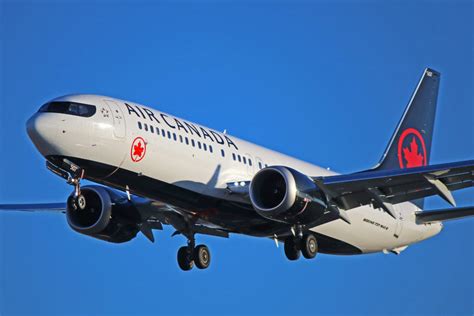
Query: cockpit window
x,y
71,108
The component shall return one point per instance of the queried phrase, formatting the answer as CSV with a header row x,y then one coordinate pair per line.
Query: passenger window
x,y
174,136
210,148
187,140
199,144
238,157
192,142
233,156
140,125
169,134
163,133
222,153
180,138
204,146
152,129
250,162
157,131
259,165
146,127
244,159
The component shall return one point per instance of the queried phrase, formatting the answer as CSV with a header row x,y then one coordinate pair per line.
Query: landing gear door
x,y
119,120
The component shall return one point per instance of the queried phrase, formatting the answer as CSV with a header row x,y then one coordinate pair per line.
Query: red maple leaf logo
x,y
412,157
138,149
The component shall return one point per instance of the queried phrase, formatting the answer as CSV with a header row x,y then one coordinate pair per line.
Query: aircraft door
x,y
119,120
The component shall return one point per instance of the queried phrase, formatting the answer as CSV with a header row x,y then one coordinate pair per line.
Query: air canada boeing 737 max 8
x,y
154,169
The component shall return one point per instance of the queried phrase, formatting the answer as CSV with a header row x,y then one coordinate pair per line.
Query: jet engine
x,y
286,195
105,215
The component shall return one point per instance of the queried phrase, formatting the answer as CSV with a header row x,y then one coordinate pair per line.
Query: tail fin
x,y
410,145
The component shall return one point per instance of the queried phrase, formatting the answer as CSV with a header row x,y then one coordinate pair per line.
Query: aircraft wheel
x,y
81,202
202,257
309,246
185,259
77,203
292,251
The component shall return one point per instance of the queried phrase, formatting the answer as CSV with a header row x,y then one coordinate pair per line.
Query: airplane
x,y
155,169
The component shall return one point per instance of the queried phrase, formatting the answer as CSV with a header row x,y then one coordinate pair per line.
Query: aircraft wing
x,y
384,187
38,207
154,214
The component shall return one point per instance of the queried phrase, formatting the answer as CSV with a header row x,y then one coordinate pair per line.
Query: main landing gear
x,y
301,243
191,255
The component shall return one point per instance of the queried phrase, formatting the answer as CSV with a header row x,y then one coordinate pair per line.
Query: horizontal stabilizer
x,y
444,215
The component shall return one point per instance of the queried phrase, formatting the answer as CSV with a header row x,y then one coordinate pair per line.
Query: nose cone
x,y
42,132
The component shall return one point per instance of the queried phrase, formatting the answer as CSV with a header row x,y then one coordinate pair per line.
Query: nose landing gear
x,y
78,201
73,174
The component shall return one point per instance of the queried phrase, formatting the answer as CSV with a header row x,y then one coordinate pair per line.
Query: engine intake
x,y
107,215
284,194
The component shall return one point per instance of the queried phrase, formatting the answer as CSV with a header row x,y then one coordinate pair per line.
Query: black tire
x,y
309,246
202,257
292,250
72,205
185,260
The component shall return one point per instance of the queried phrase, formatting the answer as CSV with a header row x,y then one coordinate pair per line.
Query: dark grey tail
x,y
410,145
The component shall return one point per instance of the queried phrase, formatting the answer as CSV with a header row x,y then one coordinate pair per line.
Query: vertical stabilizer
x,y
410,145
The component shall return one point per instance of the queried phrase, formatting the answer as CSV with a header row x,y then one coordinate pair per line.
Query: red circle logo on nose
x,y
411,149
138,149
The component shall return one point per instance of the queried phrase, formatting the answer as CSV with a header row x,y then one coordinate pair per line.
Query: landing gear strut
x,y
78,201
191,255
306,244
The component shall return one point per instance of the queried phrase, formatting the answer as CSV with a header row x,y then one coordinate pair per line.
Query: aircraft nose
x,y
42,132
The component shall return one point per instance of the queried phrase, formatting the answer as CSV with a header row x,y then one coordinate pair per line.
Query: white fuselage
x,y
170,156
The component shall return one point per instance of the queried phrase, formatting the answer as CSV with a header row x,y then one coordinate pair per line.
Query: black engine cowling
x,y
107,215
286,195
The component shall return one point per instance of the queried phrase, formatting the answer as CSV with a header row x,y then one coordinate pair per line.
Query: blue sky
x,y
325,82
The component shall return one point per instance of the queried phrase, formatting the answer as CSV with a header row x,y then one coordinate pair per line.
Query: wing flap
x,y
396,186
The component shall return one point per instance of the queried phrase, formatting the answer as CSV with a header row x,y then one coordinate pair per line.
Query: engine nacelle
x,y
286,195
107,215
